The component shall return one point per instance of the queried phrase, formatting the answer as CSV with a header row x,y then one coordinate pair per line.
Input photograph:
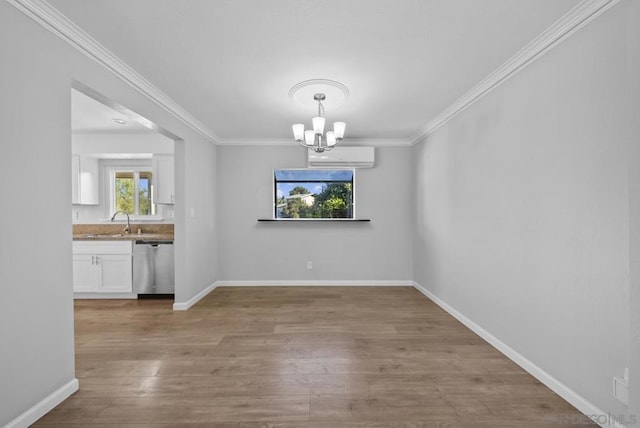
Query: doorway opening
x,y
123,201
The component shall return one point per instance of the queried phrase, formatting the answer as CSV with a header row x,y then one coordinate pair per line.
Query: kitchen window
x,y
314,194
130,189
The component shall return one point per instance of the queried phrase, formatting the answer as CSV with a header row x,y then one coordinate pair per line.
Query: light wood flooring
x,y
296,357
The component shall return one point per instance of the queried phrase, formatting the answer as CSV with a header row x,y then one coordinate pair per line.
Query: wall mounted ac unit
x,y
342,157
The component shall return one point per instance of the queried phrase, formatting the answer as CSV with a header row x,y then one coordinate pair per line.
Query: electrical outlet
x,y
621,387
309,265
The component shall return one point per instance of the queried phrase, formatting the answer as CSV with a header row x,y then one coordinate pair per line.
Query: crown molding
x,y
585,12
368,142
54,21
257,142
378,142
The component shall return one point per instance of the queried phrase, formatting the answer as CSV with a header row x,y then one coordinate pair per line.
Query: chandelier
x,y
312,138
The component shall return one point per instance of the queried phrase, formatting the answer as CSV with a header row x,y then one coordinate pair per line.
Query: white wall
x,y
633,124
36,312
121,143
196,217
380,250
522,211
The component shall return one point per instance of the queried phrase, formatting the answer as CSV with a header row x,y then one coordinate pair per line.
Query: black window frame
x,y
351,206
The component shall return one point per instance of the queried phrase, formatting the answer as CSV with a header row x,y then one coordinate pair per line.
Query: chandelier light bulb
x,y
318,125
331,139
298,131
309,137
338,129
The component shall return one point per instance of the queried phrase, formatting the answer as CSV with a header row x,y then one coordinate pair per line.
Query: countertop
x,y
123,237
113,232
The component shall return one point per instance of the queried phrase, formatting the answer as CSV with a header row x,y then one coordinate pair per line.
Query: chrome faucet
x,y
127,228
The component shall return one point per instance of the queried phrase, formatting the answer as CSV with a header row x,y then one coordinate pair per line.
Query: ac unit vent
x,y
342,157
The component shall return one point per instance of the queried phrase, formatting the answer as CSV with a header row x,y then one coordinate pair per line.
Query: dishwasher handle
x,y
154,243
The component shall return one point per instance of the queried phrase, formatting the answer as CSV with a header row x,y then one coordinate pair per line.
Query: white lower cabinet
x,y
83,273
102,267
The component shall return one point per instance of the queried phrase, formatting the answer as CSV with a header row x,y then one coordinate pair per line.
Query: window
x,y
131,190
313,193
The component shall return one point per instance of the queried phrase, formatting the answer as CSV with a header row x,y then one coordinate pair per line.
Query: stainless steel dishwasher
x,y
153,268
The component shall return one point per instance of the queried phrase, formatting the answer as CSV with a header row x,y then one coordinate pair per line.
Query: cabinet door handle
x,y
93,260
97,260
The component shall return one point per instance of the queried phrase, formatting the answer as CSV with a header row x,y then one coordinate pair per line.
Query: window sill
x,y
302,220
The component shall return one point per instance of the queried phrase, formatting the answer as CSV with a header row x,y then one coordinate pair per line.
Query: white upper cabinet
x,y
85,181
163,176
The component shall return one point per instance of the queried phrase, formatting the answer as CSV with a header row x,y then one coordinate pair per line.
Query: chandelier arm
x,y
302,143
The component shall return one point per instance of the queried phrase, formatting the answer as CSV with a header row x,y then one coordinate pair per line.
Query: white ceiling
x,y
89,116
231,63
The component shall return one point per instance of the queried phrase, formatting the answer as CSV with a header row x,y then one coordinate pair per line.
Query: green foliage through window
x,y
312,193
133,193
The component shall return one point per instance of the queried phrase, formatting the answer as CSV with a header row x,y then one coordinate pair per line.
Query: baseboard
x,y
579,402
44,406
183,306
316,283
